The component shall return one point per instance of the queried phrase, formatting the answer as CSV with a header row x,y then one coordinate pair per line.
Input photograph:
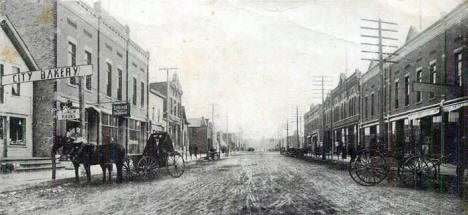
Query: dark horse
x,y
87,154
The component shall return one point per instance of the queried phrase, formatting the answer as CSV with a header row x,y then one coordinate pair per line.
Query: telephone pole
x,y
287,134
379,30
320,93
297,126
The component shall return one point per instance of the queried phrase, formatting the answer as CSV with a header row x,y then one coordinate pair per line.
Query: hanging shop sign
x,y
47,74
122,109
68,114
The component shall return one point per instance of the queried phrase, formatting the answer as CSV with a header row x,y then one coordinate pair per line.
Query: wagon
x,y
158,154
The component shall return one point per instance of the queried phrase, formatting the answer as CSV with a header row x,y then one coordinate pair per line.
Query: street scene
x,y
246,183
233,107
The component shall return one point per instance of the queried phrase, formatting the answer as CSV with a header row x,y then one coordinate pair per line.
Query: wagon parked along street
x,y
158,154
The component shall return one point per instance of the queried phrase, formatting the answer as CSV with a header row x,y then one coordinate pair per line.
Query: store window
x,y
17,131
109,128
134,130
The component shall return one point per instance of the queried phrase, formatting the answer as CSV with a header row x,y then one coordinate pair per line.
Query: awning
x,y
455,106
424,113
93,107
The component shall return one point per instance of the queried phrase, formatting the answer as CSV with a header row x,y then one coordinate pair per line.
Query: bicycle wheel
x,y
175,165
371,168
147,168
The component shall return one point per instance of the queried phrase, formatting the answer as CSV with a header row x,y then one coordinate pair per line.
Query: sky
x,y
255,61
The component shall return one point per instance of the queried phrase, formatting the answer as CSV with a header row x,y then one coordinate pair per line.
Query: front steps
x,y
31,163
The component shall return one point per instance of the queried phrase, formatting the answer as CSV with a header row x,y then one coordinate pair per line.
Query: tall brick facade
x,y
62,33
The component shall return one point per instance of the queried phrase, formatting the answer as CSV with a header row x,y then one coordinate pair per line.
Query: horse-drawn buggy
x,y
158,153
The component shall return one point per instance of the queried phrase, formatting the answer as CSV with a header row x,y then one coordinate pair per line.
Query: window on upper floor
x,y
134,91
366,106
109,79
407,90
372,104
419,79
433,76
1,87
71,57
459,68
15,88
396,94
88,59
119,90
142,100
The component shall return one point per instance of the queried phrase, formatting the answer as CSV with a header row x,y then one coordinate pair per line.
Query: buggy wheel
x,y
370,168
353,167
415,172
129,170
147,168
175,165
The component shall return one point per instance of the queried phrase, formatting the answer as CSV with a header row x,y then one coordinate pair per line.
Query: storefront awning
x,y
93,107
424,113
455,106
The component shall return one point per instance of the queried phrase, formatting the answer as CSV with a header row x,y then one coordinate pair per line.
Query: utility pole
x,y
323,123
380,39
167,69
324,82
287,134
227,131
297,126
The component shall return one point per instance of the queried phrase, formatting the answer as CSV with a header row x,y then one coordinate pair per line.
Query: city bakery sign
x,y
47,74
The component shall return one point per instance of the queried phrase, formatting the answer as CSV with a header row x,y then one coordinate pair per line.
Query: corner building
x,y
64,33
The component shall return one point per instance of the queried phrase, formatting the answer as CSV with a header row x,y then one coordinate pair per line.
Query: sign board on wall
x,y
122,109
47,74
68,114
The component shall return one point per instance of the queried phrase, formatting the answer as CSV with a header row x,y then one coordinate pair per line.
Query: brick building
x,y
345,111
200,134
430,117
369,106
63,33
313,128
172,107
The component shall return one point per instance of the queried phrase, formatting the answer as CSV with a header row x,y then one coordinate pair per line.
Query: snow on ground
x,y
249,183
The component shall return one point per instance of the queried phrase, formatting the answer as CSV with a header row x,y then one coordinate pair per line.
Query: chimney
x,y
2,7
97,7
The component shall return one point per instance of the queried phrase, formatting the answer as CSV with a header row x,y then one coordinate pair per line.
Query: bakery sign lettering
x,y
47,74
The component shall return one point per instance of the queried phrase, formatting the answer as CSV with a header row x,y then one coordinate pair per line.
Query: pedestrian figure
x,y
339,148
195,150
